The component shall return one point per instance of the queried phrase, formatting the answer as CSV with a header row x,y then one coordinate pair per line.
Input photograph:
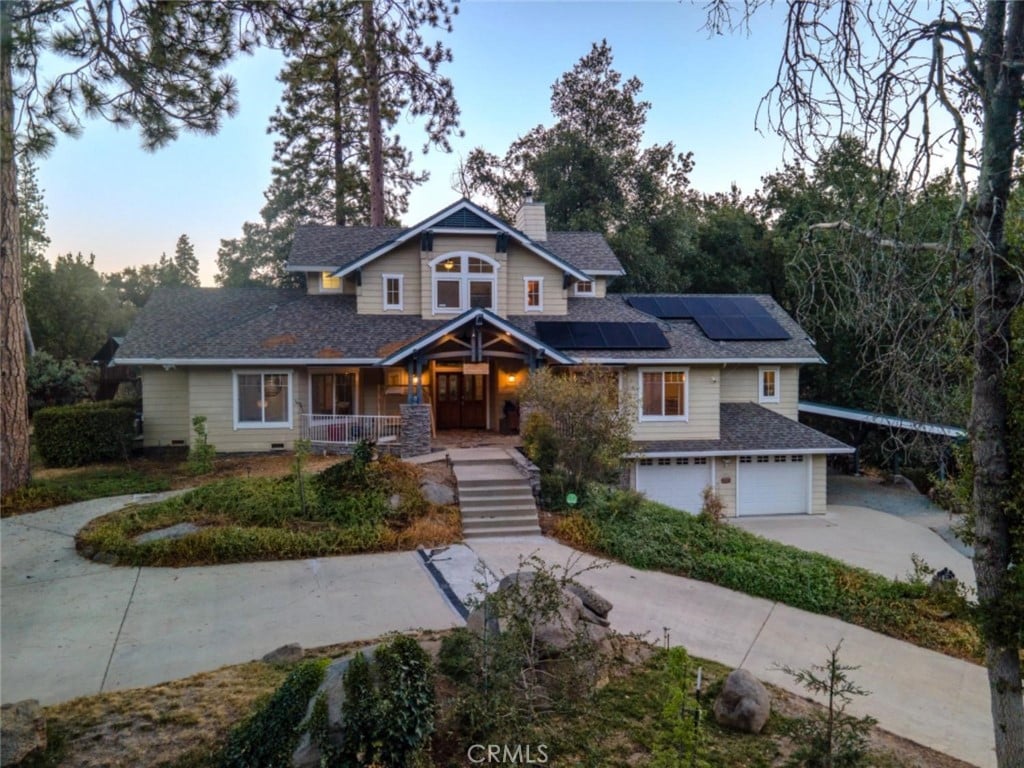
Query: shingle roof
x,y
262,323
280,323
686,340
750,428
319,245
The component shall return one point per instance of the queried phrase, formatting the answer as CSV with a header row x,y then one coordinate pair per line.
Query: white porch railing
x,y
327,429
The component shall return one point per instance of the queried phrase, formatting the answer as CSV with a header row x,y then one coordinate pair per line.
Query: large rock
x,y
286,654
22,731
437,493
595,602
744,703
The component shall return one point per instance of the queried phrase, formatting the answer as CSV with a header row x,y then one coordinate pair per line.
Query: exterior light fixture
x,y
449,264
511,378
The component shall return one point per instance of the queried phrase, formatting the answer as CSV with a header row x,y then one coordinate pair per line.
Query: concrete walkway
x,y
70,627
927,697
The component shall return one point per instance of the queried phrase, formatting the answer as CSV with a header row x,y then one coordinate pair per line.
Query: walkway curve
x,y
70,627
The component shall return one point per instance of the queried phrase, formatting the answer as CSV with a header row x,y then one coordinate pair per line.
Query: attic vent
x,y
464,219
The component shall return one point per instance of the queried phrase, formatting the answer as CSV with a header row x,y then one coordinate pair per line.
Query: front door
x,y
461,401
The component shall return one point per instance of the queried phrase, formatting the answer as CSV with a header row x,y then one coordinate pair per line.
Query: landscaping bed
x,y
624,526
185,723
350,506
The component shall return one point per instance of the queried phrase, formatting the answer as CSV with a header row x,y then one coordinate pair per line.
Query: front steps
x,y
494,497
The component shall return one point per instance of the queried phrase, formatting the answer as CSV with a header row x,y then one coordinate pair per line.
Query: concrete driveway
x,y
70,627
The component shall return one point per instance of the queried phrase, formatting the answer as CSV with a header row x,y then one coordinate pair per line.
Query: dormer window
x,y
584,288
463,281
329,282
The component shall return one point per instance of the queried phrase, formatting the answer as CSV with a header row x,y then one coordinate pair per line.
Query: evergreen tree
x,y
348,80
32,217
592,173
154,65
184,268
134,285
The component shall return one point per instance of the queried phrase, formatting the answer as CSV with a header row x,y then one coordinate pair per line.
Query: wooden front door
x,y
461,401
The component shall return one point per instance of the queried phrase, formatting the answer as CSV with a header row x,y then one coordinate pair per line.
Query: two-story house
x,y
402,332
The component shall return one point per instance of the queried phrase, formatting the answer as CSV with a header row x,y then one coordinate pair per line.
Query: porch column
x,y
415,429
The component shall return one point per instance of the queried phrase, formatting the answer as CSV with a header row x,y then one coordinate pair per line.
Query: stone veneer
x,y
415,429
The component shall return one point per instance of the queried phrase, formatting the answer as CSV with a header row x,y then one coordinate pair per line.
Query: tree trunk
x,y
14,446
336,137
374,127
994,283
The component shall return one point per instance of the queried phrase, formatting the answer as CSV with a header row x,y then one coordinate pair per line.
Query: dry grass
x,y
442,525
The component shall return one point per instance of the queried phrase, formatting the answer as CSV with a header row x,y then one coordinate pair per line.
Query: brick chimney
x,y
531,219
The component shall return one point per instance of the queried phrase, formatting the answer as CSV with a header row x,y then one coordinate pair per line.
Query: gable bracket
x,y
427,241
566,281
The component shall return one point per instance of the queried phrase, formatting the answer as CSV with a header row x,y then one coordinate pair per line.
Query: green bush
x,y
73,435
53,382
268,737
200,453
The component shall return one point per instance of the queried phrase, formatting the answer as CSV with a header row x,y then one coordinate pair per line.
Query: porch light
x,y
511,378
415,379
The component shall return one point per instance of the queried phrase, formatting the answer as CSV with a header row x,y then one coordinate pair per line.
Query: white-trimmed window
x,y
583,288
393,285
534,287
769,380
664,395
329,283
332,393
262,399
462,281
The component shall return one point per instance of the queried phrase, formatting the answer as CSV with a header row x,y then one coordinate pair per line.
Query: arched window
x,y
462,281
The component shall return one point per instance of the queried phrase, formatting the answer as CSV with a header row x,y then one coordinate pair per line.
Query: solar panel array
x,y
722,318
578,335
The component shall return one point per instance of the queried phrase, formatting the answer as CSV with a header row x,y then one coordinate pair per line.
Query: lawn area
x,y
348,507
626,527
183,724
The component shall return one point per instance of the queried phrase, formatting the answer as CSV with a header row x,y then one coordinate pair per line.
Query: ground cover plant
x,y
348,507
625,526
45,491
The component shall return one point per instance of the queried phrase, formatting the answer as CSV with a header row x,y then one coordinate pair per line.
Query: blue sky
x,y
107,196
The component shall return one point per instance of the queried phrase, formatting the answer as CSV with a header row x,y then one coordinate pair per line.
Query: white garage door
x,y
677,482
773,485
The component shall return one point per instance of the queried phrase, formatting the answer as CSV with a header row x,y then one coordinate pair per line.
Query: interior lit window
x,y
329,282
462,281
663,394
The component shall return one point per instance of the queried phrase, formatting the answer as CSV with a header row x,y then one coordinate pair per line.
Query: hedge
x,y
73,435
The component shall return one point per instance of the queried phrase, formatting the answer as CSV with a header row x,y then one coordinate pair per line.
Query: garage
x,y
773,485
676,482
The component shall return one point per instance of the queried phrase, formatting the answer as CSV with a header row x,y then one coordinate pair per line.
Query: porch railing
x,y
327,429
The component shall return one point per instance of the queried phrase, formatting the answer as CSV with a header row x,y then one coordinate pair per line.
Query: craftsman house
x,y
405,332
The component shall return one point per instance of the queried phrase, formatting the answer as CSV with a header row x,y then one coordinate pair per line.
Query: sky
x,y
107,196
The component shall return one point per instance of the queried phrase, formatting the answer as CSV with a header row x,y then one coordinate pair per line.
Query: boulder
x,y
437,493
744,703
22,731
595,602
286,654
174,532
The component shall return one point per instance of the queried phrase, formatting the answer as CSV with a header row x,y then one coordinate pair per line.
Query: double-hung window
x,y
584,288
392,291
263,399
768,381
663,394
534,293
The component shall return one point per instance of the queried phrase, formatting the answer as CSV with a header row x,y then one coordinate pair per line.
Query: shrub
x,y
73,435
55,382
200,453
268,737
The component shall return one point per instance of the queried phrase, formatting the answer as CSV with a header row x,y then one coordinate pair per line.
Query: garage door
x,y
677,482
772,485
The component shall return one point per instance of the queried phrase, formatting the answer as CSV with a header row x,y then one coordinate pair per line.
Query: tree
x,y
71,308
884,69
353,73
134,285
154,65
592,173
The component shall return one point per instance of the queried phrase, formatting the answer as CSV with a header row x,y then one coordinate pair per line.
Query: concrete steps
x,y
494,497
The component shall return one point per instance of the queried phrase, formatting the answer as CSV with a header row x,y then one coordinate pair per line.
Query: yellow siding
x,y
165,407
403,261
819,483
740,385
703,393
725,483
522,264
211,394
600,287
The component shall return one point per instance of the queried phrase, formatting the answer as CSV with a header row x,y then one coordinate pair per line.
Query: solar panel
x,y
579,335
735,318
662,307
